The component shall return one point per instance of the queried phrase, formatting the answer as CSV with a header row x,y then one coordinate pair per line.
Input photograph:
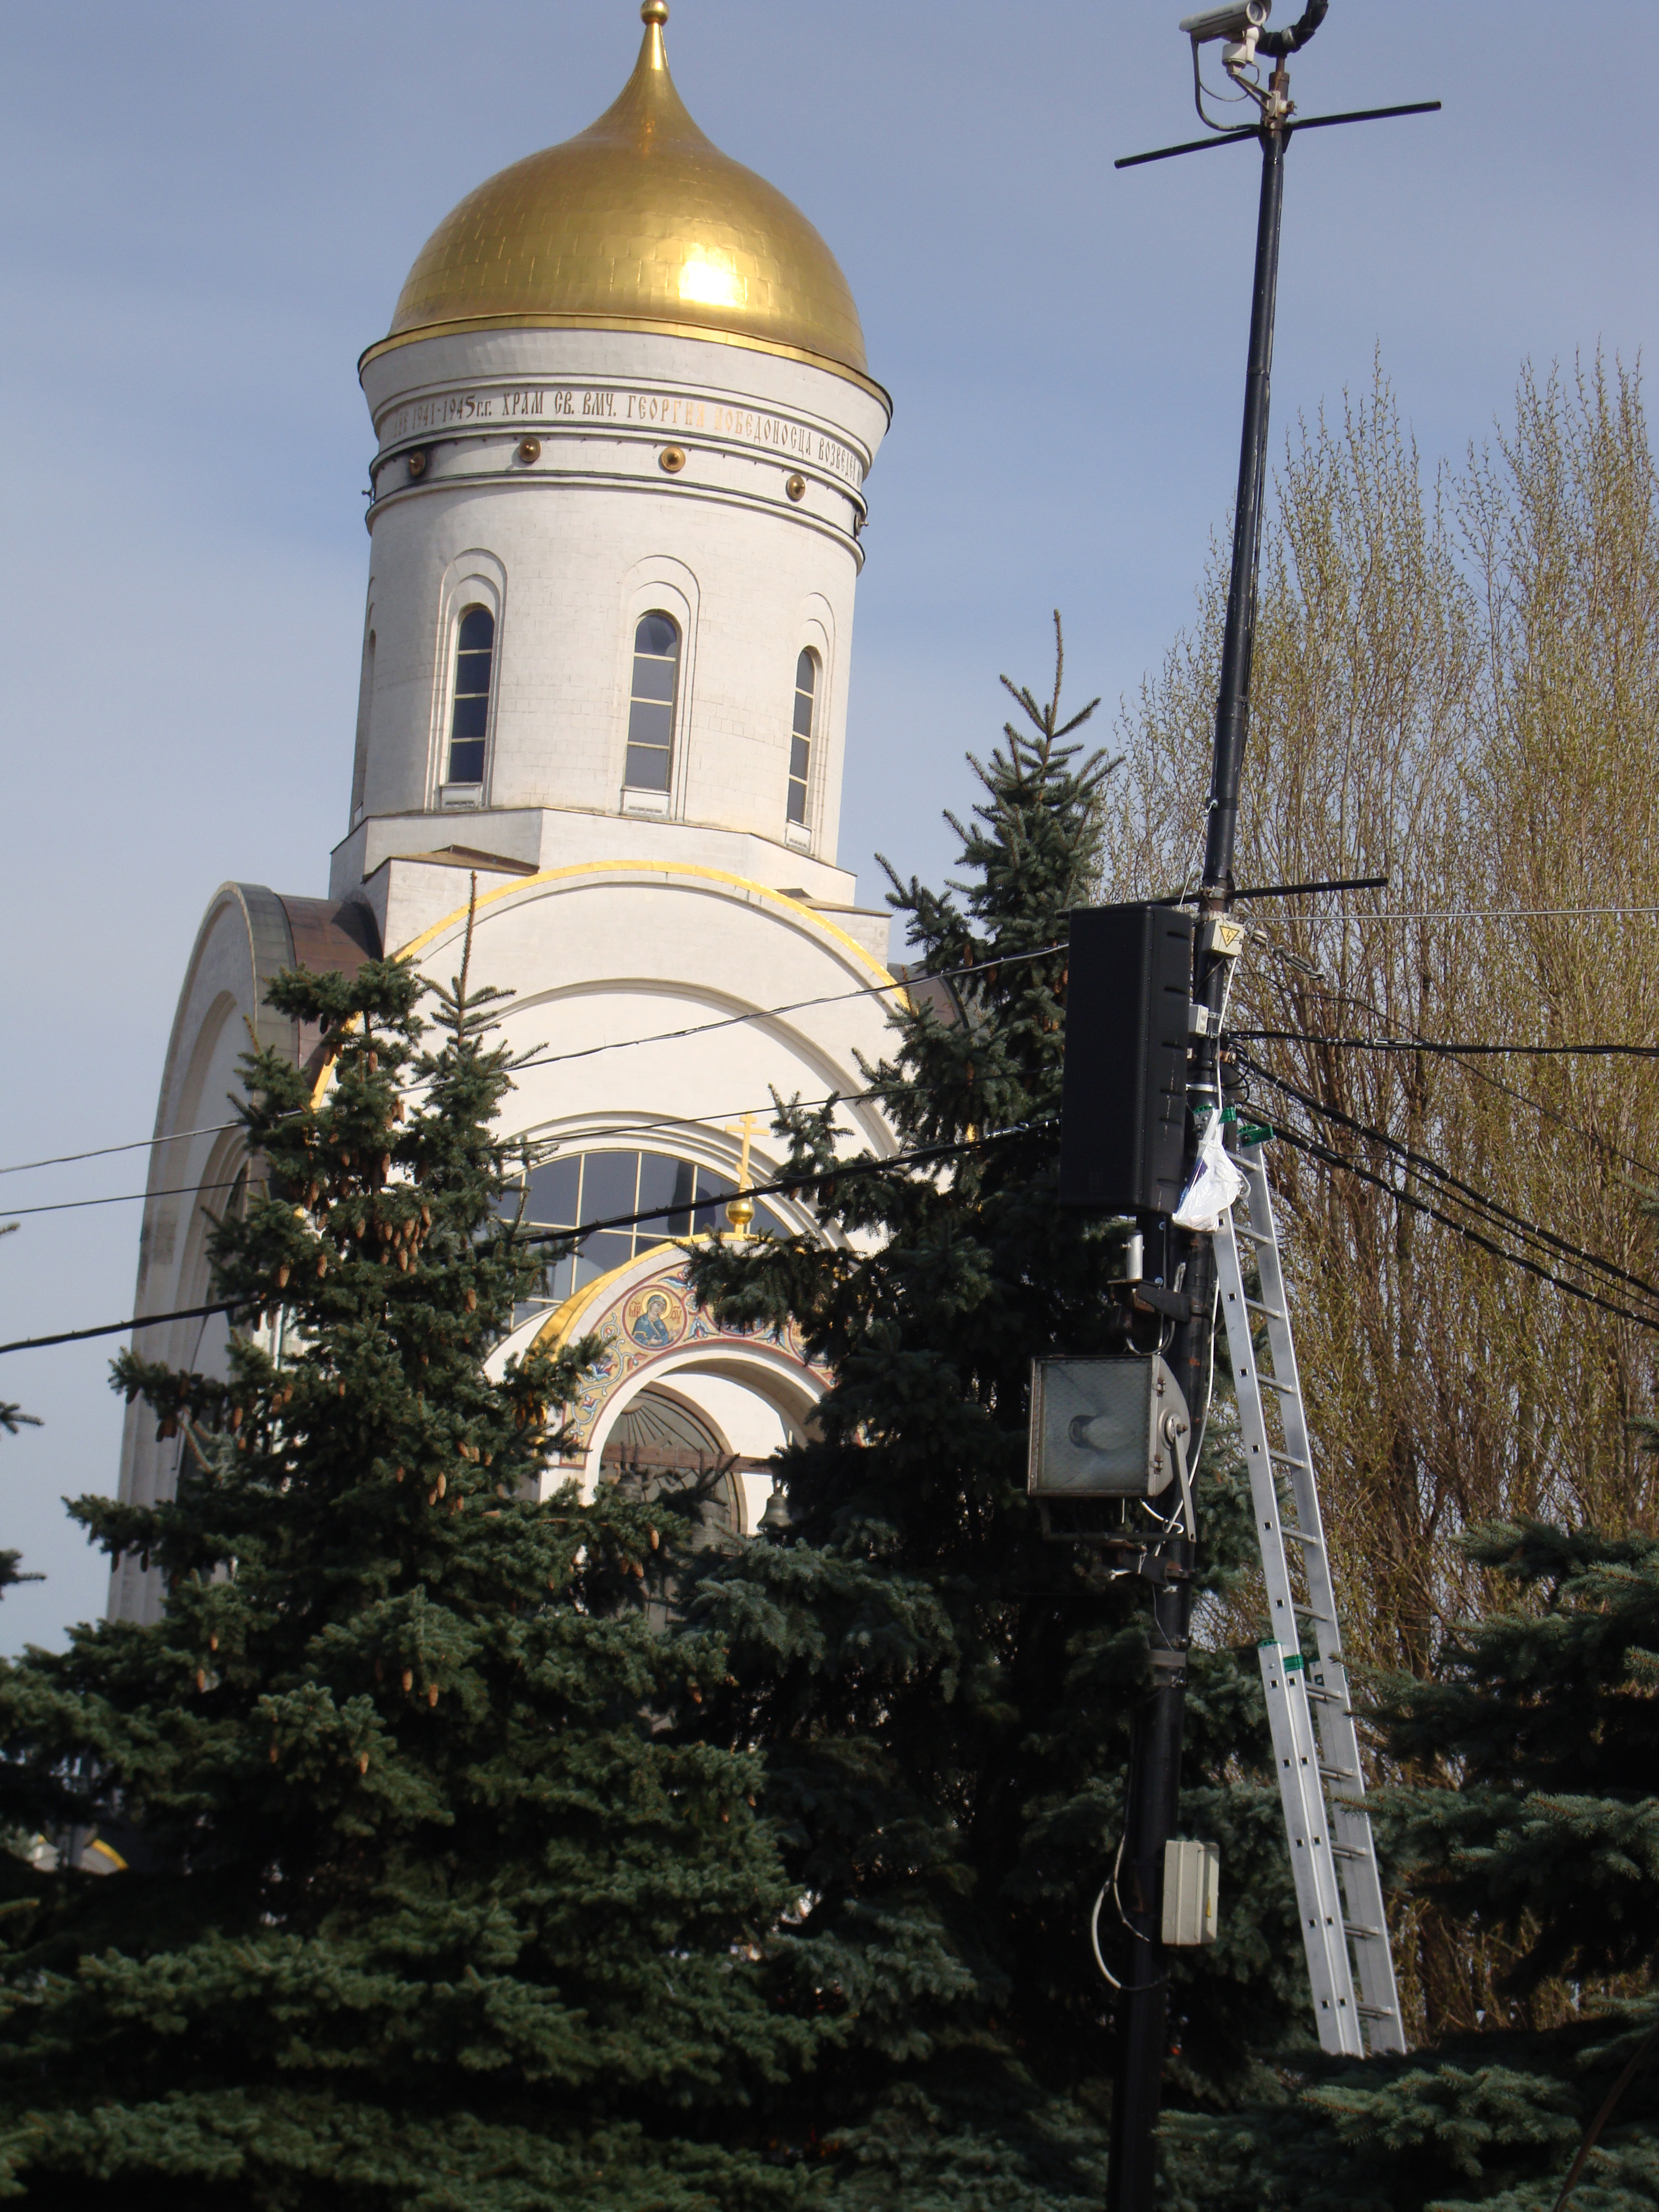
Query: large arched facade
x,y
615,514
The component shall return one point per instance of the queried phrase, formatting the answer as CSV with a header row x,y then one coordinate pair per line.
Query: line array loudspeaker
x,y
1123,1108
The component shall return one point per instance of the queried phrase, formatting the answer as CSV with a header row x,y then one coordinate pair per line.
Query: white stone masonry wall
x,y
571,544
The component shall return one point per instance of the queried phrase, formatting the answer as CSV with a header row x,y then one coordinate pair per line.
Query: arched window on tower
x,y
475,656
800,740
651,706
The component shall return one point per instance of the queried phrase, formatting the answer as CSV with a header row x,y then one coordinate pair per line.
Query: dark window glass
x,y
651,726
566,1191
610,1183
685,1190
554,1190
655,678
800,743
651,706
599,1254
660,1178
474,657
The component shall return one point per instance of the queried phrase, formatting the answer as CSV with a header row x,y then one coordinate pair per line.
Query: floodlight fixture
x,y
1111,1427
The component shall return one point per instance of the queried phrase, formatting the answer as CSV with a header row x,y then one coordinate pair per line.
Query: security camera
x,y
1235,23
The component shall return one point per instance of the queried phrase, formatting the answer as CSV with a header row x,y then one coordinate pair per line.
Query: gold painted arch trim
x,y
456,917
686,871
561,1324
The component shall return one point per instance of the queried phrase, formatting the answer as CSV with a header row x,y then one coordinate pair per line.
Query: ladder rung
x,y
1340,1773
1359,1934
1273,1382
1252,1235
1376,2012
1273,1312
1330,1697
1289,1459
1349,1851
1301,1535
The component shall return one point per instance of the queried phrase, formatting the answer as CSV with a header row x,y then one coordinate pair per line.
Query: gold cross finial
x,y
740,1209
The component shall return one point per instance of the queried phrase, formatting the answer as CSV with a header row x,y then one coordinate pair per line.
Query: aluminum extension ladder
x,y
1338,1893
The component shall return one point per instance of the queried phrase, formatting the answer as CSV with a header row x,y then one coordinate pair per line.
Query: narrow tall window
x,y
800,740
475,655
651,708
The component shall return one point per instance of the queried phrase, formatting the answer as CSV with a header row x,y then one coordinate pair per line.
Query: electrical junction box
x,y
1192,1893
1221,935
1098,1427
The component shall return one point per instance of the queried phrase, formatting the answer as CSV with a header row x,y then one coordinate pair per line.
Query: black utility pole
x,y
1155,1749
1154,1752
1187,1260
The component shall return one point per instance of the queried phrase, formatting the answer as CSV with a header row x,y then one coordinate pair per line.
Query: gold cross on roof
x,y
740,1208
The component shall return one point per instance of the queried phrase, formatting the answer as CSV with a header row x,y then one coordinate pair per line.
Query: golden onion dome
x,y
640,223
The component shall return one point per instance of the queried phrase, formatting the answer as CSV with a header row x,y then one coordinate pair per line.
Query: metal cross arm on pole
x,y
1290,130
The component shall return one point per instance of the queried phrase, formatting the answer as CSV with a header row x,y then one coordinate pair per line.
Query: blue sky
x,y
206,213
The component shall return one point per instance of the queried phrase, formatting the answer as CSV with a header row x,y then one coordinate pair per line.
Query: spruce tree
x,y
1535,1817
432,1897
942,1699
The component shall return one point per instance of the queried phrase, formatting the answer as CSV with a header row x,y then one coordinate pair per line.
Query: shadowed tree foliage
x,y
1538,1826
942,1699
433,1897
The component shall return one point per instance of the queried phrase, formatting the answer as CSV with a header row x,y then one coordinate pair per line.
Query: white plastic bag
x,y
1216,1183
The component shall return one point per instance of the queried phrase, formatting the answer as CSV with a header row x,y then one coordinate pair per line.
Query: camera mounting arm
x,y
1277,44
1242,29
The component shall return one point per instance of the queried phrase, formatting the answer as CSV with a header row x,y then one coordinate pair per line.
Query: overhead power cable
x,y
794,1006
823,1179
1314,1149
584,1137
620,1044
118,1197
1597,1051
1480,913
1491,1206
1506,1089
119,1328
102,1152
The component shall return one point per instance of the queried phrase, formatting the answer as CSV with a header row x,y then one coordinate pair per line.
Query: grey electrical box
x,y
1098,1427
1192,1892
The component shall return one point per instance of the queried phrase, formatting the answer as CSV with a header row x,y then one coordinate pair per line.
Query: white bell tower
x,y
623,426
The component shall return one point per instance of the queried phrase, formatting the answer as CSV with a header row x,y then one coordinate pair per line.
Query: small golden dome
x,y
641,223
